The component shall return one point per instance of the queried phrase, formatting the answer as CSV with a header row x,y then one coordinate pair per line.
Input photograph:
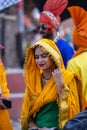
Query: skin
x,y
48,34
2,106
46,64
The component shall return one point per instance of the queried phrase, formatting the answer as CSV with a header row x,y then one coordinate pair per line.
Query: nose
x,y
40,59
40,29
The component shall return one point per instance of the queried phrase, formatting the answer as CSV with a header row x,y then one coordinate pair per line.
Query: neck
x,y
48,73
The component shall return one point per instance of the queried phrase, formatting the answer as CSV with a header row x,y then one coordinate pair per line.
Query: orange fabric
x,y
44,19
79,16
80,39
3,82
78,51
5,123
56,7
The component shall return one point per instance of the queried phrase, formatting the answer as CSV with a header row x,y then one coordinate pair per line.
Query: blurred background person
x,y
68,36
78,63
5,123
50,26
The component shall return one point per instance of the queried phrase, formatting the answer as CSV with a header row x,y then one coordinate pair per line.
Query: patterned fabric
x,y
53,9
6,3
52,17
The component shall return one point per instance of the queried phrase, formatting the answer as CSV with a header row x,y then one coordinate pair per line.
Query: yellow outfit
x,y
35,97
5,123
78,65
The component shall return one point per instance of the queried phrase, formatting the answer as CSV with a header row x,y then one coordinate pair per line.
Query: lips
x,y
41,65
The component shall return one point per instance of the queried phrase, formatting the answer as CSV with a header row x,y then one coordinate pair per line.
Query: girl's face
x,y
42,60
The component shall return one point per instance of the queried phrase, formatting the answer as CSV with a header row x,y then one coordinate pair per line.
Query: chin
x,y
48,35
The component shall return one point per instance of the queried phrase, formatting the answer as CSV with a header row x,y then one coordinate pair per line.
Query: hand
x,y
4,97
2,106
57,75
44,128
32,125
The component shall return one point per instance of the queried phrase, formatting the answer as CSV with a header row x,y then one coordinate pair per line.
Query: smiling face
x,y
42,60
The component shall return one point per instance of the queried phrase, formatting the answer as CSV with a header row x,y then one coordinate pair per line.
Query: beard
x,y
48,35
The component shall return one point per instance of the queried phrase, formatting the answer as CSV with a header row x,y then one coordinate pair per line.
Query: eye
x,y
44,55
36,57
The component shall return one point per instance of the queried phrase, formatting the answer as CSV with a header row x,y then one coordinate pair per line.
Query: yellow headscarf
x,y
31,67
38,96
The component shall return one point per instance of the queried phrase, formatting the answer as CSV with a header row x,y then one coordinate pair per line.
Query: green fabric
x,y
48,116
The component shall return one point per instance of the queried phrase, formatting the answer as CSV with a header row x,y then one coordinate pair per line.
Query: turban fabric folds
x,y
52,11
79,16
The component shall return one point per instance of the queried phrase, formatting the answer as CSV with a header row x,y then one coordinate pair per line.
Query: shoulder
x,y
64,44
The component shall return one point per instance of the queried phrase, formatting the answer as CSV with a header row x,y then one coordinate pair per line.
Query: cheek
x,y
49,62
46,60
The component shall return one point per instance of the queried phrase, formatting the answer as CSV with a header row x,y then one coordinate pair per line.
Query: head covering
x,y
48,46
34,87
30,66
52,11
79,16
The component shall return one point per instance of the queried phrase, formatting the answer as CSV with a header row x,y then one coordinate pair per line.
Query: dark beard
x,y
48,35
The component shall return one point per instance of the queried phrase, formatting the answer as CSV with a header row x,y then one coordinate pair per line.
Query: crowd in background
x,y
54,70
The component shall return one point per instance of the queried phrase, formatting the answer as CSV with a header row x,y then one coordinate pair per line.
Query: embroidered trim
x,y
63,107
52,17
53,54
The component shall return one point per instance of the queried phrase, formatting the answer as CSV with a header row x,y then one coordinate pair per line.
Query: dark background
x,y
83,3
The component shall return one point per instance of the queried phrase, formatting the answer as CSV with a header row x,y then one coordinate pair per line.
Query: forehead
x,y
38,50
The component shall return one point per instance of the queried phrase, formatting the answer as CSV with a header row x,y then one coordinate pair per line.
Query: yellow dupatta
x,y
4,115
38,96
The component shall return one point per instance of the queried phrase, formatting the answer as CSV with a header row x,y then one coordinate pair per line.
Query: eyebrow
x,y
42,54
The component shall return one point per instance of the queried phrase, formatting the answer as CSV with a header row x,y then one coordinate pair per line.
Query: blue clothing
x,y
66,50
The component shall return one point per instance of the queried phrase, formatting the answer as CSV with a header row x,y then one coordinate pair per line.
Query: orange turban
x,y
79,16
52,11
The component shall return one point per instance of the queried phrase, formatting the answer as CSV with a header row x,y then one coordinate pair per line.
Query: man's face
x,y
46,31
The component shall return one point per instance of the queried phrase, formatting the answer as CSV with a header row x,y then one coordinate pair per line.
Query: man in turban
x,y
49,26
78,63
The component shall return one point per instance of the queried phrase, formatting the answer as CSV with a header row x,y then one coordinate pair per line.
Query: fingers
x,y
56,71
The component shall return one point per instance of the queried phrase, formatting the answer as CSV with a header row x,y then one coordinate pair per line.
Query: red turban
x,y
52,11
